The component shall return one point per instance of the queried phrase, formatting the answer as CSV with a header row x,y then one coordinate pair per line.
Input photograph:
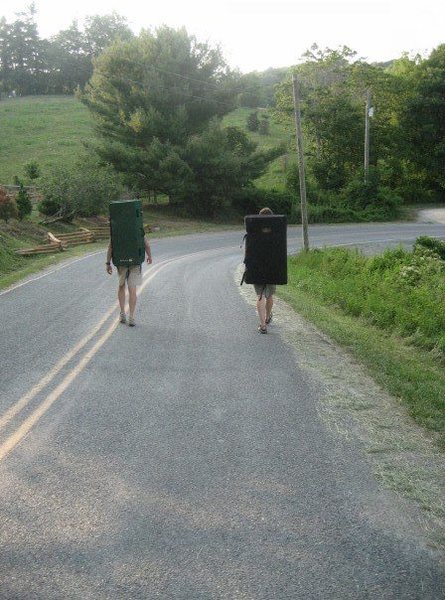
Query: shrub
x,y
252,121
263,125
84,189
377,202
250,200
8,208
434,244
32,170
23,202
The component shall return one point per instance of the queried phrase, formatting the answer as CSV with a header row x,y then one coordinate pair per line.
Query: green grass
x,y
29,233
335,290
50,130
45,129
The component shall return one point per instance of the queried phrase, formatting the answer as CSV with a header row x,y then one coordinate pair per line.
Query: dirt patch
x,y
404,457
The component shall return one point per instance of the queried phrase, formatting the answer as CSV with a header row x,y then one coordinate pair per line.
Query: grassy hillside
x,y
50,131
45,129
274,176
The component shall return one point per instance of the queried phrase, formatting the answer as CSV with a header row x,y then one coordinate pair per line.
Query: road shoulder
x,y
403,457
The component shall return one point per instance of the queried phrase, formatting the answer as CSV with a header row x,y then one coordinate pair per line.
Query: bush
x,y
32,170
377,202
252,121
399,291
84,189
263,125
49,207
23,202
434,244
8,208
251,200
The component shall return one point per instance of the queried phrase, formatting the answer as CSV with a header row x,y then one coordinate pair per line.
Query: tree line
x,y
407,131
157,100
30,65
59,65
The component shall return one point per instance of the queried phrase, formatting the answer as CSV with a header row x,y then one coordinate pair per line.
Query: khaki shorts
x,y
133,275
264,289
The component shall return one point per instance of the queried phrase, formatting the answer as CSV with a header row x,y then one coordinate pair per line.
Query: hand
x,y
149,260
109,269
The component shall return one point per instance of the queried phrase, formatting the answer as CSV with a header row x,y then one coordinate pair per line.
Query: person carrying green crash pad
x,y
127,251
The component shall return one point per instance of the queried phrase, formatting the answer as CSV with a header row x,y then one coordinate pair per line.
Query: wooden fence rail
x,y
64,240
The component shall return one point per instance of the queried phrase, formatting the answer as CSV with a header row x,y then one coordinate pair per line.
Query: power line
x,y
186,96
186,77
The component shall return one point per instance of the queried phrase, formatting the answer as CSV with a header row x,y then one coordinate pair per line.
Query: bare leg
x,y
269,305
121,297
132,300
261,309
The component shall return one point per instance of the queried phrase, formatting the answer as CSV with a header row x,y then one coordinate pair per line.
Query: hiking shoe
x,y
269,319
262,329
131,322
122,318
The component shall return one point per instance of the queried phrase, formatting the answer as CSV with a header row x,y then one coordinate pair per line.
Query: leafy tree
x,y
72,63
21,64
252,93
84,189
102,31
258,89
30,65
423,121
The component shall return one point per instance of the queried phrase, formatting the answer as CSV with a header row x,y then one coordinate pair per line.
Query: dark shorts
x,y
264,289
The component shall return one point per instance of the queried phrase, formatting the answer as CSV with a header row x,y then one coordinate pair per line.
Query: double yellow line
x,y
29,422
7,445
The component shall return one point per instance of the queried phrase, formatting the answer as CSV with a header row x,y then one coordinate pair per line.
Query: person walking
x,y
132,277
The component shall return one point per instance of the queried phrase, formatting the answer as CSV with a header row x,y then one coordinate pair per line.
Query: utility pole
x,y
367,115
299,138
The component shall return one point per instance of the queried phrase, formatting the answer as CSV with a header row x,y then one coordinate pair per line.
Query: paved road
x,y
184,458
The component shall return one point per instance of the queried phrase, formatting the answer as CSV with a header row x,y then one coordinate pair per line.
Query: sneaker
x,y
131,322
122,317
269,319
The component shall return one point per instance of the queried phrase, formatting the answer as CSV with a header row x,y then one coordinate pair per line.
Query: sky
x,y
256,35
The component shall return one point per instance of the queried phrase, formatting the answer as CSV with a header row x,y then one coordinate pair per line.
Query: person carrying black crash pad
x,y
265,260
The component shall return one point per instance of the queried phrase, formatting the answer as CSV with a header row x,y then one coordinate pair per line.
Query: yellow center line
x,y
46,380
30,421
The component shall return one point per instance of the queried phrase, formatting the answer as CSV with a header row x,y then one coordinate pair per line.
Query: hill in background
x,y
46,129
50,130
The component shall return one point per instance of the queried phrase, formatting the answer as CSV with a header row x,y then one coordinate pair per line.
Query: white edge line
x,y
63,266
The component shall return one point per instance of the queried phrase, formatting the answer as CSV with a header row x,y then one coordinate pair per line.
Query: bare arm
x,y
108,263
147,250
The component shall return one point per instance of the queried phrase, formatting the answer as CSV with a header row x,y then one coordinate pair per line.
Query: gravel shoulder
x,y
432,215
403,457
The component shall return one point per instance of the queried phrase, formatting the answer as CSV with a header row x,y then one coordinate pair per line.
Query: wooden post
x,y
299,138
366,158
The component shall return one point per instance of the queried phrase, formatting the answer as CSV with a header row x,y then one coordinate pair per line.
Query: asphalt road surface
x,y
184,458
